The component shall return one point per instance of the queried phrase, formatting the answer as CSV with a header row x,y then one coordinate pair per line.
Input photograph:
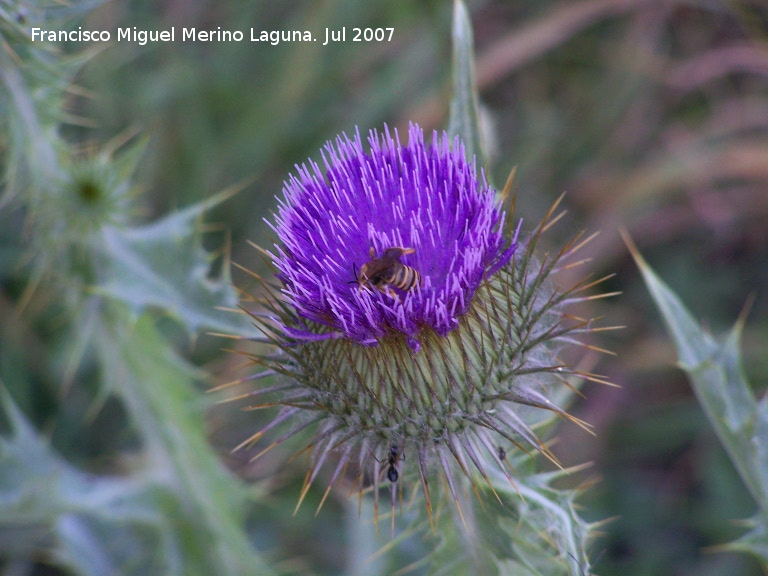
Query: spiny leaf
x,y
100,525
535,531
156,387
163,265
464,117
716,375
180,515
754,542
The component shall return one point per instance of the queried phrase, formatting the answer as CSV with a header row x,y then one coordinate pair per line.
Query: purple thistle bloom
x,y
428,198
484,317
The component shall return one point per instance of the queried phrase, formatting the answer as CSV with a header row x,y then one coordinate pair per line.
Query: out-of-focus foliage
x,y
81,332
650,114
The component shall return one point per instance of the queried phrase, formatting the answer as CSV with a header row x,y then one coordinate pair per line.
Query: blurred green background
x,y
650,115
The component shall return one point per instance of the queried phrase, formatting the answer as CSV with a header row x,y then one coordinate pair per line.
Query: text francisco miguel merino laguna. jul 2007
x,y
273,37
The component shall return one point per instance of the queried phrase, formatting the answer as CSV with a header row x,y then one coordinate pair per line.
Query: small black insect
x,y
502,453
392,460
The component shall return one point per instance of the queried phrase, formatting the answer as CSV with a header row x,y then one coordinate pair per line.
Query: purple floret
x,y
415,196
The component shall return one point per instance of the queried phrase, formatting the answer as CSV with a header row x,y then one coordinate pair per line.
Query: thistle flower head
x,y
446,351
427,199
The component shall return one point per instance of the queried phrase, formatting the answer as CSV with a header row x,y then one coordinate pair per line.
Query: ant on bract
x,y
392,460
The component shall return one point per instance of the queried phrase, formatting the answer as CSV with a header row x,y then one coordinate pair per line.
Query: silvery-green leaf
x,y
715,371
465,116
506,537
178,513
163,265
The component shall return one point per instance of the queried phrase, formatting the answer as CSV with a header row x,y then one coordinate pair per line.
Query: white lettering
x,y
79,35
